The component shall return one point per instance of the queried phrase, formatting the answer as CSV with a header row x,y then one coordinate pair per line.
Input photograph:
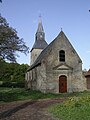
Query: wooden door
x,y
62,84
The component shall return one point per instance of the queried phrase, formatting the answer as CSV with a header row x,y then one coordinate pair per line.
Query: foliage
x,y
10,43
13,84
12,74
75,108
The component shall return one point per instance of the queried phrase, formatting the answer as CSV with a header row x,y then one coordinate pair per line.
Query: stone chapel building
x,y
56,67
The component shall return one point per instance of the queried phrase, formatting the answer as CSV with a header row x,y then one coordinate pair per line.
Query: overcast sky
x,y
72,16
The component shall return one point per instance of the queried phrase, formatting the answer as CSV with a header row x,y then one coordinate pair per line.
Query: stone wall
x,y
28,80
34,54
41,78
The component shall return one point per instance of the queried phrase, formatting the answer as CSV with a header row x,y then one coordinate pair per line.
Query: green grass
x,y
15,94
75,108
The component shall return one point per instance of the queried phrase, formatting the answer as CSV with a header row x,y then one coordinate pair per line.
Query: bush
x,y
13,84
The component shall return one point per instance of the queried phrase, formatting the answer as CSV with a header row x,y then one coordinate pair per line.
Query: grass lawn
x,y
75,108
15,94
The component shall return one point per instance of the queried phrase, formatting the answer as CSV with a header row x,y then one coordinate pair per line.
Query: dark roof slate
x,y
40,27
40,44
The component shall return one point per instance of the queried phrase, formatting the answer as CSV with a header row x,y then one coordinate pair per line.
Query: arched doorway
x,y
62,84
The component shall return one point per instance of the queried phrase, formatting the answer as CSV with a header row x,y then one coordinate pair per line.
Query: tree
x,y
2,68
12,74
10,43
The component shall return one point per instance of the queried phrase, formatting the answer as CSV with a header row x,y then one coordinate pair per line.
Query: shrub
x,y
13,84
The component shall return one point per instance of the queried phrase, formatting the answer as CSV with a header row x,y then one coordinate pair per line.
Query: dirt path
x,y
27,110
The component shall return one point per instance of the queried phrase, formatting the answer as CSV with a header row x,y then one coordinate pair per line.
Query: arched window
x,y
62,56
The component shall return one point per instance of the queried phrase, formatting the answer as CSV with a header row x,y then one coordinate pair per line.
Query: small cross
x,y
40,16
61,29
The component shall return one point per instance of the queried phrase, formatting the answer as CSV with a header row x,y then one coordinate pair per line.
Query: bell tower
x,y
40,43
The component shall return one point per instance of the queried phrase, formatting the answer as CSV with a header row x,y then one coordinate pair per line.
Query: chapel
x,y
54,67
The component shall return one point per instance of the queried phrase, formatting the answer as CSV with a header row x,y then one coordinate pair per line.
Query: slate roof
x,y
40,44
40,27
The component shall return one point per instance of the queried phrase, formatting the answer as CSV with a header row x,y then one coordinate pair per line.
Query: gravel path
x,y
27,110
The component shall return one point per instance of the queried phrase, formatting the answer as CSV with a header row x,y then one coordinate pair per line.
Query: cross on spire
x,y
40,16
61,28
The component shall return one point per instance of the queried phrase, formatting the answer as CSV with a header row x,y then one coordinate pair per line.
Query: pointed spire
x,y
40,42
40,27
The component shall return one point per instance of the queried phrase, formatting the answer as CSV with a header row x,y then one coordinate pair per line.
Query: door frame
x,y
62,84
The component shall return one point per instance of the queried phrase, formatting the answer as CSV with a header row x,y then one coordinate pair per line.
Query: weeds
x,y
75,108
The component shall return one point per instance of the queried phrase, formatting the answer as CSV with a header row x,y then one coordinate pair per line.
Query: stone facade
x,y
50,73
34,54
